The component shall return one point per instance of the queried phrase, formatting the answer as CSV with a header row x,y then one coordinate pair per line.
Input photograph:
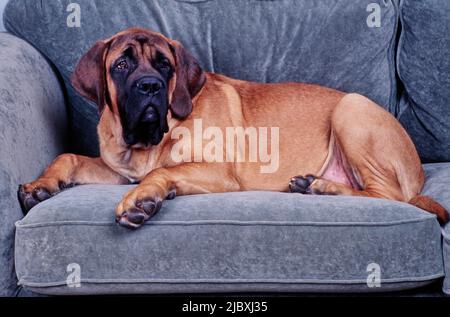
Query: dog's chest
x,y
130,163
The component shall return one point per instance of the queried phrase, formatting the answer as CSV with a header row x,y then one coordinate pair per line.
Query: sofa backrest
x,y
343,44
2,8
424,70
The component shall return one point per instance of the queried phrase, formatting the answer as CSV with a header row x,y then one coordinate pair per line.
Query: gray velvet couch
x,y
234,242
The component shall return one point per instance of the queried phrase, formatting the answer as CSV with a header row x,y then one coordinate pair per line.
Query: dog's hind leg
x,y
376,156
314,185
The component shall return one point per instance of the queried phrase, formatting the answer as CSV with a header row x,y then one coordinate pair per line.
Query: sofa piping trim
x,y
23,281
19,225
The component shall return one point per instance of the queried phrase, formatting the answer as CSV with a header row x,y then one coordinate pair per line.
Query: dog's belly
x,y
337,168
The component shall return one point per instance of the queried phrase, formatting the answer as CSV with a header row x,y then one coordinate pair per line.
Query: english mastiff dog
x,y
147,86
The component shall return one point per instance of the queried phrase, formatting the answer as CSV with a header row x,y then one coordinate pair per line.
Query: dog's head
x,y
140,75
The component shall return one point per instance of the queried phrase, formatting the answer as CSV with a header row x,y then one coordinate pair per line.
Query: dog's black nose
x,y
149,85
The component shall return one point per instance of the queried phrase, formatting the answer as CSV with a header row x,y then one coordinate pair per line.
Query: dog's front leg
x,y
66,171
141,203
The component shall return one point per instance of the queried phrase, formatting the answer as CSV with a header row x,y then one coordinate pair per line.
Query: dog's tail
x,y
429,204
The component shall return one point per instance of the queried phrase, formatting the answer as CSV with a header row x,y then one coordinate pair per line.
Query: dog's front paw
x,y
138,206
33,193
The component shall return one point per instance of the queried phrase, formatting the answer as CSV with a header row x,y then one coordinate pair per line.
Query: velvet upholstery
x,y
446,252
249,241
437,185
32,132
423,67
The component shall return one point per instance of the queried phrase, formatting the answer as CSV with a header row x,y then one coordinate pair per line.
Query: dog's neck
x,y
123,159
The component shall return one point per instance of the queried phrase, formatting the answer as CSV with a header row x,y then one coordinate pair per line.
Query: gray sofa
x,y
233,242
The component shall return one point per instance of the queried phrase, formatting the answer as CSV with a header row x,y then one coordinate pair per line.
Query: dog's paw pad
x,y
301,184
172,194
29,199
137,212
132,218
149,206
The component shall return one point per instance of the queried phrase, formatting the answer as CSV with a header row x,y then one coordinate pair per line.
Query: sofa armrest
x,y
33,125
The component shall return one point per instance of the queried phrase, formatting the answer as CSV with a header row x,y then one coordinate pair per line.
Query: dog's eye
x,y
164,63
122,65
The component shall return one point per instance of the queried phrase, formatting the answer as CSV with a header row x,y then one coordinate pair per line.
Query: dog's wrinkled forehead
x,y
141,43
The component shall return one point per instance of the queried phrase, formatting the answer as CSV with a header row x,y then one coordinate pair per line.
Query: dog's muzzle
x,y
150,115
146,112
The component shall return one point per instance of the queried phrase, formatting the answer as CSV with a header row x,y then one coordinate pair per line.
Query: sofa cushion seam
x,y
23,281
230,222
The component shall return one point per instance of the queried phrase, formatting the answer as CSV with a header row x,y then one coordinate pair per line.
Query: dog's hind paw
x,y
301,184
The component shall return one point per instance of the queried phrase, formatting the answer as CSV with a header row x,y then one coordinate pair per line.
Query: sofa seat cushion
x,y
446,250
231,242
437,186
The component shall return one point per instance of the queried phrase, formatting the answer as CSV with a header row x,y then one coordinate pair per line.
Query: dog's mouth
x,y
148,129
150,115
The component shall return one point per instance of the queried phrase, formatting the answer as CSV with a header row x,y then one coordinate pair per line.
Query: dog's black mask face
x,y
136,73
141,76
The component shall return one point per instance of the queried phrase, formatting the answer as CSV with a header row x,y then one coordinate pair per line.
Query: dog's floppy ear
x,y
190,78
89,77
